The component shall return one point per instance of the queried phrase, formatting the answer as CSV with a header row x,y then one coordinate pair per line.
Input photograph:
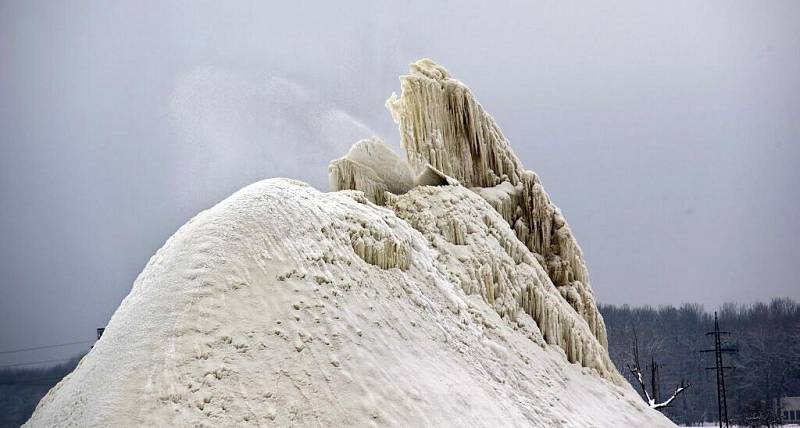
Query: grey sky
x,y
669,133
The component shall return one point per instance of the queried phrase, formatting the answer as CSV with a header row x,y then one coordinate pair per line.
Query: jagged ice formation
x,y
403,298
512,281
443,125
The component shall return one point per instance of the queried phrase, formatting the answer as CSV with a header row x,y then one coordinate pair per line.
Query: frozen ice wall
x,y
445,131
442,123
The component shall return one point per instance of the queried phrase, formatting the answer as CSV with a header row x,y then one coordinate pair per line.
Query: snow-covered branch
x,y
678,389
637,372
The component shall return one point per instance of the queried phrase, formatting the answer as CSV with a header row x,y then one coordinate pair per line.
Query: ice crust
x,y
419,293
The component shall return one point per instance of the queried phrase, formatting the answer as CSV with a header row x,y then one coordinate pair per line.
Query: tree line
x,y
766,365
22,388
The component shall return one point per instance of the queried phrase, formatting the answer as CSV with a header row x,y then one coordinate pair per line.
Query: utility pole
x,y
719,368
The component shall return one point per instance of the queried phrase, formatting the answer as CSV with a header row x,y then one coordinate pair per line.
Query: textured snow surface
x,y
412,301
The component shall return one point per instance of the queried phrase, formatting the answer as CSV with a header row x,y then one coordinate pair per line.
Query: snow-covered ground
x,y
448,305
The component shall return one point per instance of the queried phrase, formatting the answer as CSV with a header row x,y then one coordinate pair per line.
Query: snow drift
x,y
441,290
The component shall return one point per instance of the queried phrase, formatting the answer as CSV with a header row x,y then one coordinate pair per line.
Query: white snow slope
x,y
287,306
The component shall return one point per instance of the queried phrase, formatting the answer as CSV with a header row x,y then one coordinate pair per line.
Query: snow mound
x,y
401,302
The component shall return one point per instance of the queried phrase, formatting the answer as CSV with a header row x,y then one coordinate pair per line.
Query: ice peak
x,y
445,130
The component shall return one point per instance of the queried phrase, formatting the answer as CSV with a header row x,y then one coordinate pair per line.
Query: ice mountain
x,y
440,289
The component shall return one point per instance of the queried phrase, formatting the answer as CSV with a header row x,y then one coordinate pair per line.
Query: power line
x,y
45,347
32,382
38,379
36,362
48,384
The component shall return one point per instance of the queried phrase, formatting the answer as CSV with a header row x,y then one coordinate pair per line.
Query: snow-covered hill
x,y
442,291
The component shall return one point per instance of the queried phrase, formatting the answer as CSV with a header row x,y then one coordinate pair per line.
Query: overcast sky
x,y
668,132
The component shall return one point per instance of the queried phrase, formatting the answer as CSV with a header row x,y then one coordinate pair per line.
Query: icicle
x,y
380,250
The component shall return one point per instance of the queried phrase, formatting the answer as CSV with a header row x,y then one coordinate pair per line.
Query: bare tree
x,y
652,399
